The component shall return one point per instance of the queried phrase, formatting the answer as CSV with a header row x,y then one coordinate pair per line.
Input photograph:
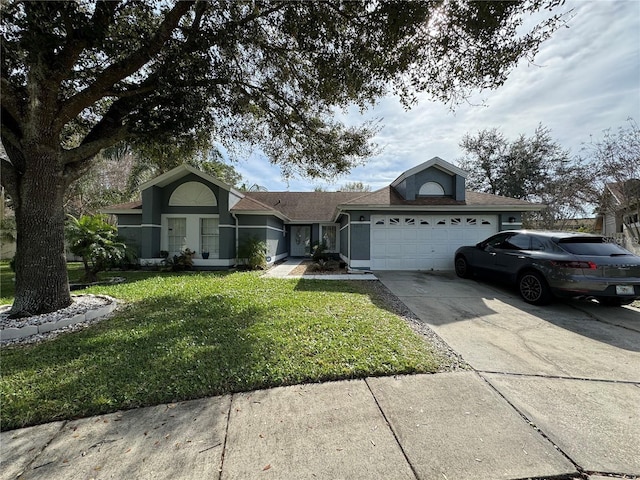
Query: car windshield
x,y
595,246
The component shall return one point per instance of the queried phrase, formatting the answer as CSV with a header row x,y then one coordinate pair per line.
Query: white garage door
x,y
424,242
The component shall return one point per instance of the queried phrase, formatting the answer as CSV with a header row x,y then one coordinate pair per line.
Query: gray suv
x,y
548,264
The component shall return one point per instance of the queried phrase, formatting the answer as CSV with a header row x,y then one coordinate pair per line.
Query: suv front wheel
x,y
533,288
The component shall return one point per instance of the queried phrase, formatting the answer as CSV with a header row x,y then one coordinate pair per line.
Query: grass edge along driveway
x,y
184,336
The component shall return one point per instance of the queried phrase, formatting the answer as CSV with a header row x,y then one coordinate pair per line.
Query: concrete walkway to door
x,y
572,369
284,269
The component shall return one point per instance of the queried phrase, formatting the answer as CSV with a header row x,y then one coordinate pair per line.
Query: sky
x,y
584,80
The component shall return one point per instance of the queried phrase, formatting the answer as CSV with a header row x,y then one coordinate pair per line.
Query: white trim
x,y
279,257
431,189
197,262
452,209
345,226
512,224
152,225
116,211
360,264
266,227
271,213
358,222
192,233
193,194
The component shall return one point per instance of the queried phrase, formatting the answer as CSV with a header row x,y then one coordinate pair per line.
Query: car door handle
x,y
492,253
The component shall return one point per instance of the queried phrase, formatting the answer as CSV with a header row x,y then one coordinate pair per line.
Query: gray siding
x,y
151,219
453,185
344,235
129,228
360,242
266,228
131,236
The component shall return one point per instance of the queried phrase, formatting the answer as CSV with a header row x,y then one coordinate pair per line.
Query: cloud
x,y
585,79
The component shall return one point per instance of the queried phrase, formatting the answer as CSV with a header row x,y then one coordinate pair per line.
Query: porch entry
x,y
300,241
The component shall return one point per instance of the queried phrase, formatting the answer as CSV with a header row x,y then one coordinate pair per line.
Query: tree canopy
x,y
81,76
355,187
534,168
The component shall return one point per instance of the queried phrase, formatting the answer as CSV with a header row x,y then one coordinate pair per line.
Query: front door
x,y
300,241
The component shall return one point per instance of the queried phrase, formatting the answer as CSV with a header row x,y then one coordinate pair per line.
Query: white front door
x,y
424,242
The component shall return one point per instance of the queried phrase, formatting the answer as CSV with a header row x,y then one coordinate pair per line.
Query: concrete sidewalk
x,y
442,426
283,270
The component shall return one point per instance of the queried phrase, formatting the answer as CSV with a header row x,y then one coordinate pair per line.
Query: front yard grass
x,y
191,335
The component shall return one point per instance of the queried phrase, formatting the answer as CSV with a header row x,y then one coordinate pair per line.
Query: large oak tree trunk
x,y
42,285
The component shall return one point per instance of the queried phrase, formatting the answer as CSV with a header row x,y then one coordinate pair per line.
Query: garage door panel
x,y
425,235
378,235
424,242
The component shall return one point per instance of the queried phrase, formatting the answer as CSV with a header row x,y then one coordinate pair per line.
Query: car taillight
x,y
574,264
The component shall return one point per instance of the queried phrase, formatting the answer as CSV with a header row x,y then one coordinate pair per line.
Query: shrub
x,y
95,240
253,253
178,263
320,253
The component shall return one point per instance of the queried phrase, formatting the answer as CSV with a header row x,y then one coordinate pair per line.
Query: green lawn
x,y
184,336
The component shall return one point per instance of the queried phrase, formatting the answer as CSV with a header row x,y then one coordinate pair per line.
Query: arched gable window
x,y
431,189
193,194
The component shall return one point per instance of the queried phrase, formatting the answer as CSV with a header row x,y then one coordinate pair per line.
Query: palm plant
x,y
95,240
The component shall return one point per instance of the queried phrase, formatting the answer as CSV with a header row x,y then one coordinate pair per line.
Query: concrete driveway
x,y
572,369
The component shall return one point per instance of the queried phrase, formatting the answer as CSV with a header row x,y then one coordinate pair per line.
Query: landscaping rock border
x,y
85,309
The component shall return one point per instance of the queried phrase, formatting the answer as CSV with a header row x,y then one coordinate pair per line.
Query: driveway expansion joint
x,y
560,377
226,436
393,432
531,423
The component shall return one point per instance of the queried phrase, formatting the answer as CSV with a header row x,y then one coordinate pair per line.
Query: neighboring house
x,y
619,213
415,223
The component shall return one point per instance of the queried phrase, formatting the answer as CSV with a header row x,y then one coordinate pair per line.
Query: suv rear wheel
x,y
533,288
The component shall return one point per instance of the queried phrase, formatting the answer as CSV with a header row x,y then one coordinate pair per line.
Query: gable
x,y
433,178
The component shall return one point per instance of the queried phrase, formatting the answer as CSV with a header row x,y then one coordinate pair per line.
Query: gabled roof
x,y
388,197
300,206
182,170
434,162
312,207
124,208
622,190
251,206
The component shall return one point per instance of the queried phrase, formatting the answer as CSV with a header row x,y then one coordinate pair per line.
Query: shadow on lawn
x,y
155,351
377,292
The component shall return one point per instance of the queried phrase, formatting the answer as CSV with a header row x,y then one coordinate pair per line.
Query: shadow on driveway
x,y
441,298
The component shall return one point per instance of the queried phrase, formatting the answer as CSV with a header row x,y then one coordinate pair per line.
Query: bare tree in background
x,y
616,163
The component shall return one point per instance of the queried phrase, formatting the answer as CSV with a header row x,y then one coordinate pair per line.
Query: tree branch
x,y
126,67
77,41
10,99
